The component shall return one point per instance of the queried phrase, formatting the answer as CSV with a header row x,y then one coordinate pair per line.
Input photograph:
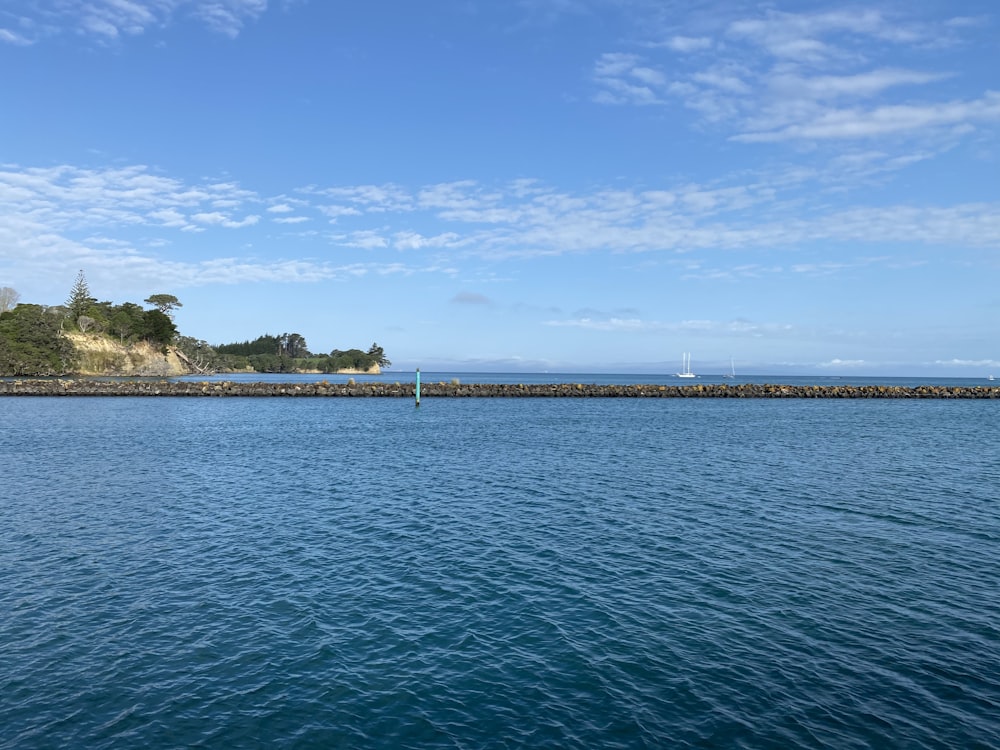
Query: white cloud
x,y
613,324
10,37
845,363
724,81
74,213
882,121
370,198
109,20
368,239
968,362
217,218
686,44
804,77
866,84
228,16
797,35
622,80
610,324
335,212
416,241
169,217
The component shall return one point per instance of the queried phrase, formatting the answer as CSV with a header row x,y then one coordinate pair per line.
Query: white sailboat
x,y
732,370
686,367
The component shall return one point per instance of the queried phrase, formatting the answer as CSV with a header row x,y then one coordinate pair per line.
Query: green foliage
x,y
31,343
158,328
203,356
291,345
126,321
288,353
31,336
272,363
375,352
165,303
352,359
265,344
79,297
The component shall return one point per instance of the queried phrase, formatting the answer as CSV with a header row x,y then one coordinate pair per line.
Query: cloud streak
x,y
106,21
798,77
88,210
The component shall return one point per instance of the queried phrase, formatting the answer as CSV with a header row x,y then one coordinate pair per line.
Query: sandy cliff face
x,y
373,370
97,355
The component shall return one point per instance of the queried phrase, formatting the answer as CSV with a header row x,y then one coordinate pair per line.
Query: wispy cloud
x,y
687,44
780,76
110,20
120,218
968,362
843,364
742,328
65,196
609,324
367,198
217,218
621,79
11,37
884,121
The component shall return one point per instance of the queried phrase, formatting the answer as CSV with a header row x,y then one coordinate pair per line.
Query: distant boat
x,y
990,378
686,367
732,370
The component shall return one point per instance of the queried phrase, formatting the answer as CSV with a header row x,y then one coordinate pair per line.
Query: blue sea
x,y
394,376
499,573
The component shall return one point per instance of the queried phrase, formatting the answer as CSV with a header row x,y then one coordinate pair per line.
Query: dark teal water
x,y
499,573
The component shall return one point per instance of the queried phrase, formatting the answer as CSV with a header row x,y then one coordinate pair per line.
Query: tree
x,y
265,344
158,327
126,320
352,359
31,344
8,298
79,297
292,345
199,354
165,303
377,354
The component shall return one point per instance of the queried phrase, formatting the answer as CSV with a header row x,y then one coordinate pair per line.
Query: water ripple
x,y
499,574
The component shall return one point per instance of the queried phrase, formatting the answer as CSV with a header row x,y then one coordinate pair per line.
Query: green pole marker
x,y
418,386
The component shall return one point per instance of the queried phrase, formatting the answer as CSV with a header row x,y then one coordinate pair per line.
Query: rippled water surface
x,y
499,573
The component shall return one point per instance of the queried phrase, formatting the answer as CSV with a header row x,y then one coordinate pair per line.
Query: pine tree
x,y
79,297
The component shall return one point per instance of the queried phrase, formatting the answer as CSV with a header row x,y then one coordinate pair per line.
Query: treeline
x,y
32,340
128,322
289,353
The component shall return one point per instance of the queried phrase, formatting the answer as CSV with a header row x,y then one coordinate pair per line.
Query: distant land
x,y
87,337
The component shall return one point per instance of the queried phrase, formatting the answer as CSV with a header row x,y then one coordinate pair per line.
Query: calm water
x,y
393,376
499,573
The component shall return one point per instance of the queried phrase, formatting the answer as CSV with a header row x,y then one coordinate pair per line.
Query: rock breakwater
x,y
85,387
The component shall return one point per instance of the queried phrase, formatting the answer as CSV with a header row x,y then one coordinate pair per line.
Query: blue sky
x,y
574,185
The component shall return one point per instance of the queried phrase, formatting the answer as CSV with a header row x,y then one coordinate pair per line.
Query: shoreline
x,y
165,388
